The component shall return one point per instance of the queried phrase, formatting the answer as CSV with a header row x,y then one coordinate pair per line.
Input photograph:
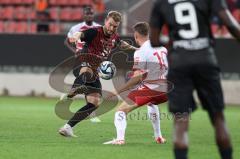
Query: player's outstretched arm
x,y
71,46
125,46
137,77
230,22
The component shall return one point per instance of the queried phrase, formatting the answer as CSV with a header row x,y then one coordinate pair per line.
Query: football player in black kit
x,y
99,42
193,65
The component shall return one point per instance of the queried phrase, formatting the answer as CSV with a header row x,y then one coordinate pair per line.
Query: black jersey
x,y
188,21
96,42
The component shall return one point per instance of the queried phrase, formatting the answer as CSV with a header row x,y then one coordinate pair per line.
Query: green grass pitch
x,y
28,130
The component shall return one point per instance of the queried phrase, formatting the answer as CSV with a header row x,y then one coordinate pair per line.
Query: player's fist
x,y
76,36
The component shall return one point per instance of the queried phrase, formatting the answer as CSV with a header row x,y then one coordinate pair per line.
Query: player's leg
x,y
85,75
222,136
120,121
181,103
154,116
92,101
92,97
210,93
180,137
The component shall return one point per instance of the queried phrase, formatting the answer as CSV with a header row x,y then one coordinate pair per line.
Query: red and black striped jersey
x,y
97,43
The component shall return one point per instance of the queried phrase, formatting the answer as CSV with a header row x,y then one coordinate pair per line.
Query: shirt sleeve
x,y
89,35
139,61
73,30
156,18
118,41
218,5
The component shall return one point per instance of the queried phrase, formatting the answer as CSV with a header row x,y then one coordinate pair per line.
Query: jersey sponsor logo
x,y
194,44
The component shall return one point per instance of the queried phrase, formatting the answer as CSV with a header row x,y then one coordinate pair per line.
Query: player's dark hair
x,y
117,17
142,28
87,9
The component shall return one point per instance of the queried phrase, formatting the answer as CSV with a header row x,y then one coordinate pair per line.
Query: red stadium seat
x,y
63,2
22,27
54,28
77,14
28,1
2,10
85,2
54,13
66,14
214,28
16,1
21,13
10,27
236,14
53,2
74,2
5,1
1,26
33,28
8,13
32,13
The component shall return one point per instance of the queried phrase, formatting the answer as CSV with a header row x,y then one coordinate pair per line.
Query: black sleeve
x,y
218,5
118,42
89,35
156,19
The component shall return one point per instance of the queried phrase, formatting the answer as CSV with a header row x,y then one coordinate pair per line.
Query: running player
x,y
88,15
98,44
193,65
150,68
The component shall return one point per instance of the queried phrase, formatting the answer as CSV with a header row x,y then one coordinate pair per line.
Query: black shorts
x,y
194,70
93,87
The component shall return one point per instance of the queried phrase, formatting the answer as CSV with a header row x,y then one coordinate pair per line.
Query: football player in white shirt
x,y
150,69
88,15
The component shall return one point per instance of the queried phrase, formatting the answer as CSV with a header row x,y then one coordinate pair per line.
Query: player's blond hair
x,y
117,17
142,28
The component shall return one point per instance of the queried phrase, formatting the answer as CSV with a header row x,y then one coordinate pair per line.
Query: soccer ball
x,y
106,70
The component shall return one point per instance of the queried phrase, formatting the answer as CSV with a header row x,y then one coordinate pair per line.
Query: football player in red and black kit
x,y
99,42
193,65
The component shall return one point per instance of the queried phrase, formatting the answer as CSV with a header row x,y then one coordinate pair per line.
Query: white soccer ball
x,y
106,70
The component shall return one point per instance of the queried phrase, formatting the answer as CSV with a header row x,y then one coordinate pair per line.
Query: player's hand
x,y
76,37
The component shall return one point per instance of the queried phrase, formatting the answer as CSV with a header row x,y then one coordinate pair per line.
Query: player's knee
x,y
94,100
181,144
123,109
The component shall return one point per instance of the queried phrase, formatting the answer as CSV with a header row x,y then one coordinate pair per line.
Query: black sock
x,y
81,114
226,153
180,153
85,77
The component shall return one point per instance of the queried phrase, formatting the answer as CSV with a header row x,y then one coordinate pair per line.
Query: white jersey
x,y
151,60
80,27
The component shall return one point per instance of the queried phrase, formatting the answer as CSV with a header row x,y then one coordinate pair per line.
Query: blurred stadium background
x,y
32,43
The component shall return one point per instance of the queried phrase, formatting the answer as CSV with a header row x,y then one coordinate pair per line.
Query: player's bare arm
x,y
137,77
230,22
76,36
125,46
154,37
72,41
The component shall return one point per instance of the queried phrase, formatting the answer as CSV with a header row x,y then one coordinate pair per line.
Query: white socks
x,y
120,124
153,114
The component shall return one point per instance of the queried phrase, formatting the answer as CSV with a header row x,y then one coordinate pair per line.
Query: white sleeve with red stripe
x,y
163,62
